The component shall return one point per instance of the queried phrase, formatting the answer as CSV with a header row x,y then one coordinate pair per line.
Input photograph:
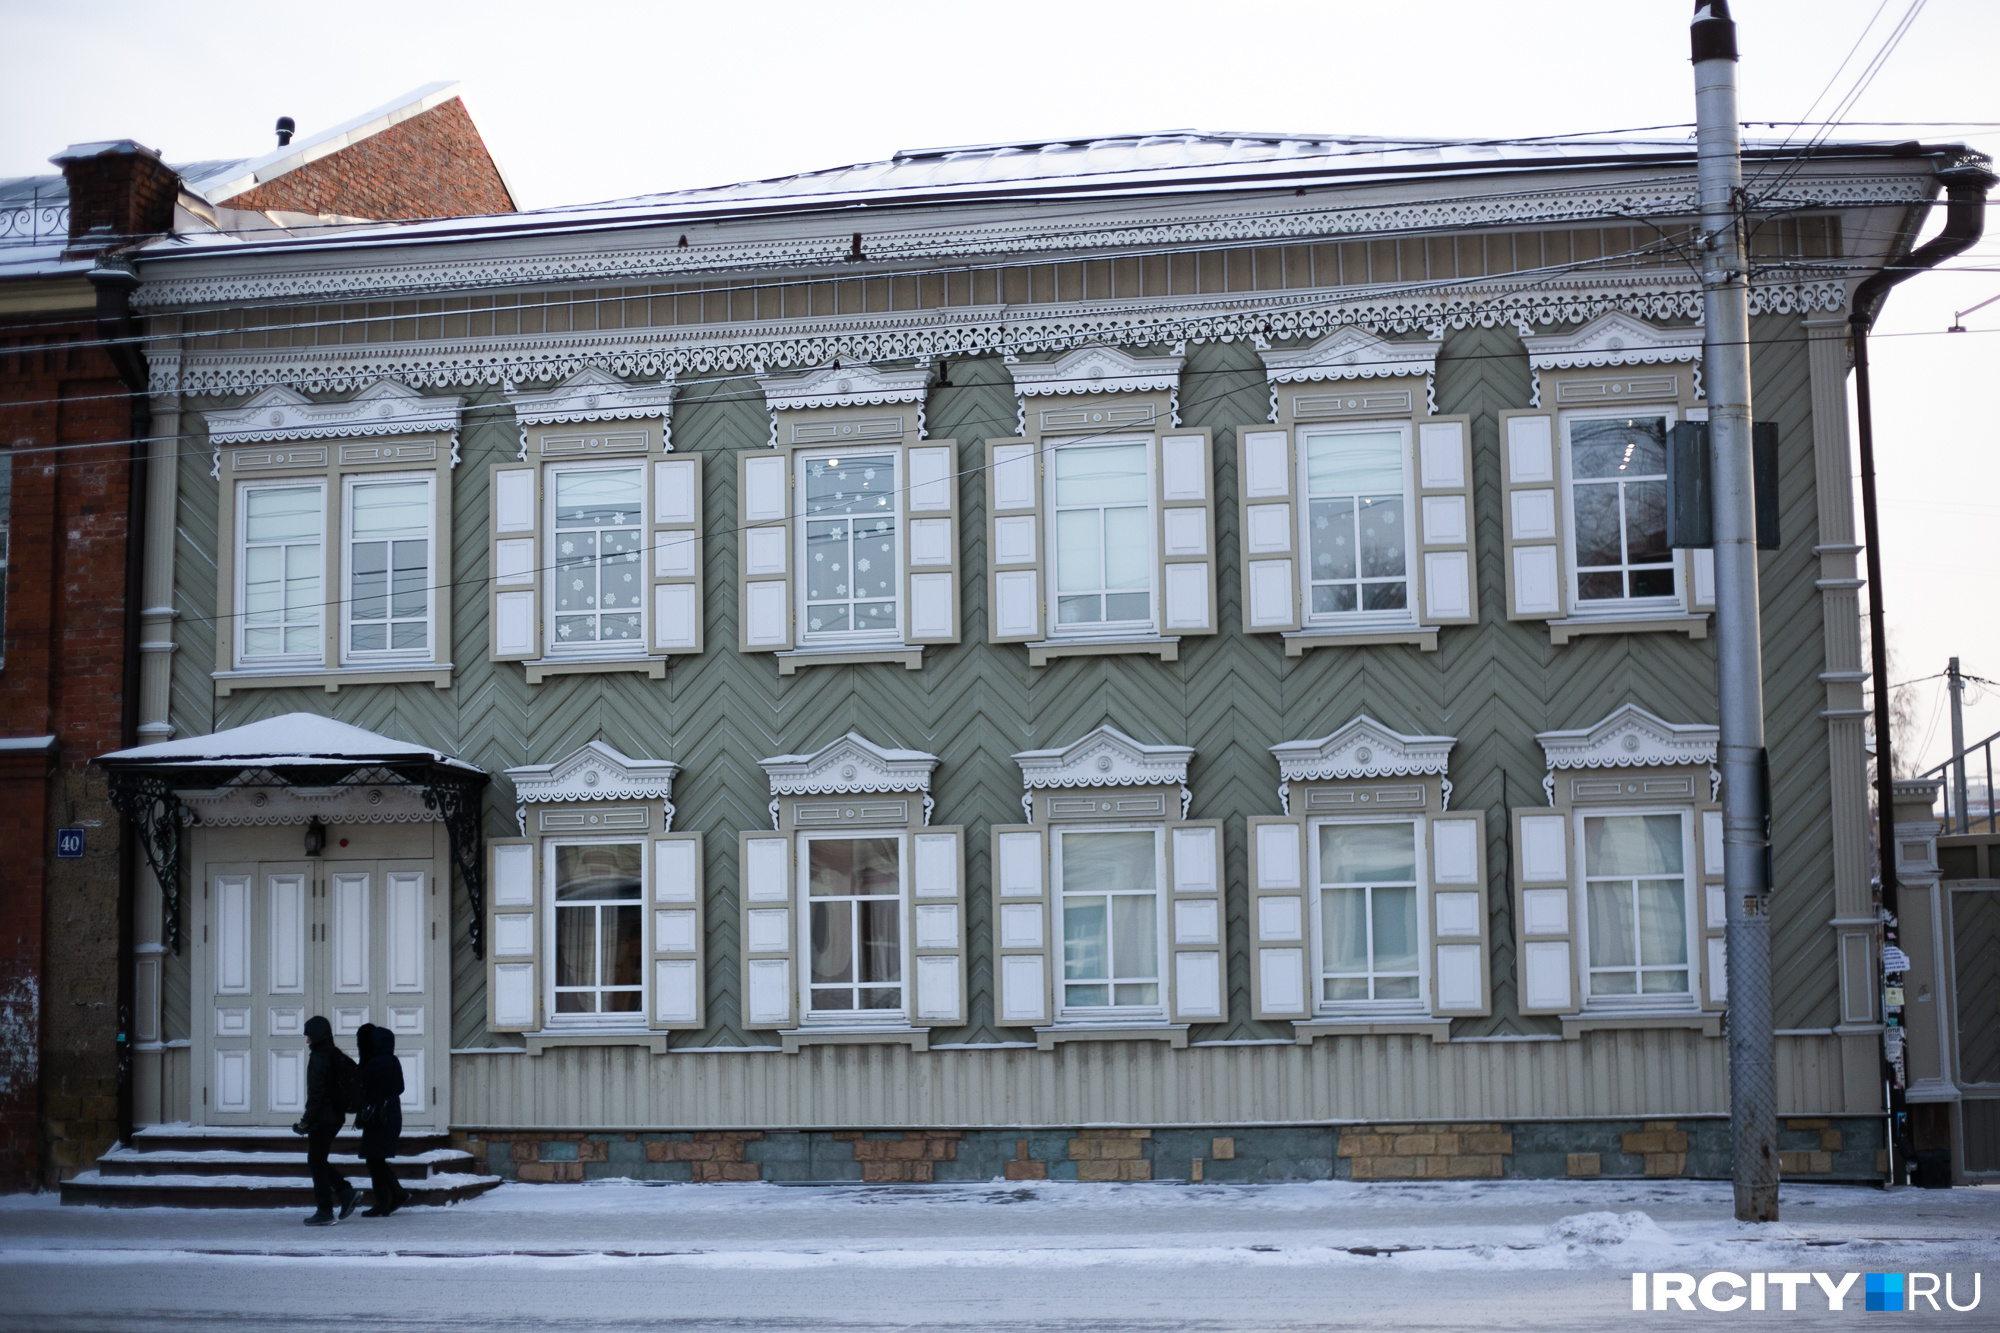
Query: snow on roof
x,y
1174,161
294,738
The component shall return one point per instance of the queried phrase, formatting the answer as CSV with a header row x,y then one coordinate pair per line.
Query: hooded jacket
x,y
382,1088
322,1079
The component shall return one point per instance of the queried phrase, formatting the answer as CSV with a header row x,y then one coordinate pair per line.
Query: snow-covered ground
x,y
1030,1256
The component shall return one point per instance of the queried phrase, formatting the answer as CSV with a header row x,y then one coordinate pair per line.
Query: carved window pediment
x,y
1107,759
596,773
1614,339
852,766
383,408
596,395
1631,738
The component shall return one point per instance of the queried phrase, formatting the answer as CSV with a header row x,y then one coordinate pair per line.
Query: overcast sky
x,y
583,100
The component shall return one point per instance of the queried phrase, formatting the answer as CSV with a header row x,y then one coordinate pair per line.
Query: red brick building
x,y
74,499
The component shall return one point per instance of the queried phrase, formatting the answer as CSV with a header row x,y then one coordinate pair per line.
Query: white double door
x,y
357,941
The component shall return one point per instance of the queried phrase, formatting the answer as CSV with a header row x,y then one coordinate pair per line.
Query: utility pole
x,y
1958,806
1739,654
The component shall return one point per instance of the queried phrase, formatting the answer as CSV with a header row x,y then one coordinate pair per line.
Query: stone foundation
x,y
1830,1150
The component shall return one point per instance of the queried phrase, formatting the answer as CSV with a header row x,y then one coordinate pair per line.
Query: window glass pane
x,y
282,514
409,566
264,584
1101,474
1620,448
1079,551
1632,845
1663,983
598,585
1396,988
1597,530
576,947
1354,463
1108,862
851,867
1662,922
1646,523
1128,555
391,508
1367,853
1343,921
1611,934
881,940
859,484
832,949
1135,935
1395,930
850,559
597,871
1086,938
1381,526
621,945
1334,545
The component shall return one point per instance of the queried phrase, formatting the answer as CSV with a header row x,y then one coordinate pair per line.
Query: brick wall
x,y
64,416
431,165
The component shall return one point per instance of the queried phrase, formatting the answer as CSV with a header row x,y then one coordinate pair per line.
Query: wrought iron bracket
x,y
148,800
458,805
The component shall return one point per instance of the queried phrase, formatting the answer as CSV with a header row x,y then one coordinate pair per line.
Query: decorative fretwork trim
x,y
928,335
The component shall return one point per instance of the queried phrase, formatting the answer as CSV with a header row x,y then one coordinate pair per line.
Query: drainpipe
x,y
119,330
1966,180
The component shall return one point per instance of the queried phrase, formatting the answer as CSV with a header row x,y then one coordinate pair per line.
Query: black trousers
x,y
328,1184
388,1190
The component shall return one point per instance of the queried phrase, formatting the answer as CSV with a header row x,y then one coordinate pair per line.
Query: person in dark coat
x,y
382,1092
322,1120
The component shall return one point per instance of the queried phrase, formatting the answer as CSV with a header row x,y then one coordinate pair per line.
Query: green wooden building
x,y
1144,658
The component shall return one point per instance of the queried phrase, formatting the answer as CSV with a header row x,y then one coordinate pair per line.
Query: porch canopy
x,y
292,752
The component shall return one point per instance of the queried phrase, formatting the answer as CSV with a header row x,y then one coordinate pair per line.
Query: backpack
x,y
347,1093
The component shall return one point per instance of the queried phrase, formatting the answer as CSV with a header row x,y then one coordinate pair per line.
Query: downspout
x,y
1966,181
119,331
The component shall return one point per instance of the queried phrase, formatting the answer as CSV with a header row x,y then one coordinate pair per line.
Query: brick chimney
x,y
119,192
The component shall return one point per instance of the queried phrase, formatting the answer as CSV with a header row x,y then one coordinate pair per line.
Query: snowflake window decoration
x,y
861,565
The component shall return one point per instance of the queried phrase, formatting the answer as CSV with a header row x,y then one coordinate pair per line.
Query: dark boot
x,y
322,1218
347,1202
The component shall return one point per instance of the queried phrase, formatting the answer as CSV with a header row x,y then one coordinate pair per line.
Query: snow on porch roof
x,y
295,738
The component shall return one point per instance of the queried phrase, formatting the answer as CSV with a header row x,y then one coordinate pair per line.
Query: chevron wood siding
x,y
1230,696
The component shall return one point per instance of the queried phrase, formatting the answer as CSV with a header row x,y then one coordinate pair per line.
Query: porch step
x,y
181,1166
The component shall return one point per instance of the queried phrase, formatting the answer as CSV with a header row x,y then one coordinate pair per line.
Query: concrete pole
x,y
1753,1123
1958,783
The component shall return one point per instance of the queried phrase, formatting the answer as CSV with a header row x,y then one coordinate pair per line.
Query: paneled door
x,y
356,941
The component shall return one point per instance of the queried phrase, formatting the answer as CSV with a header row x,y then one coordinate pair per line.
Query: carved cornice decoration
x,y
1105,757
851,764
1630,737
972,331
1351,353
1613,339
1658,197
592,394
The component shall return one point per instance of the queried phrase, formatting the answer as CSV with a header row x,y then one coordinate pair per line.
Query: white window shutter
x,y
1022,926
513,935
1014,541
764,552
1268,529
1531,507
1461,972
936,926
1697,578
1712,903
1449,576
676,930
1280,952
930,543
677,555
769,930
514,617
1545,911
1195,926
1186,539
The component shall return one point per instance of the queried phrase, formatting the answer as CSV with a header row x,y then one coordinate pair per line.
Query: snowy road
x,y
1017,1257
